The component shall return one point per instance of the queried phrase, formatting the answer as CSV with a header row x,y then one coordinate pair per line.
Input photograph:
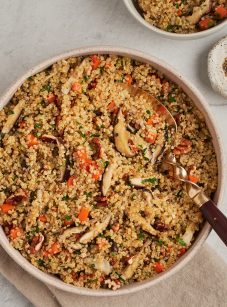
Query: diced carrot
x,y
42,218
95,61
206,23
54,249
32,140
22,124
221,12
83,214
51,97
70,181
151,120
76,87
15,232
5,208
128,79
112,107
97,174
183,251
151,138
68,222
179,12
193,179
158,267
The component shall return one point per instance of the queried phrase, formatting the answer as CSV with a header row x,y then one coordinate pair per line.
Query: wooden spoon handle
x,y
216,219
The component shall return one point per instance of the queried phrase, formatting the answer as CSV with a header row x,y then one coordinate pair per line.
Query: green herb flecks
x,y
68,217
181,242
46,87
38,125
141,236
120,277
149,180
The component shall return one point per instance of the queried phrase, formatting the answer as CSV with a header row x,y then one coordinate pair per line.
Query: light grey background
x,y
31,31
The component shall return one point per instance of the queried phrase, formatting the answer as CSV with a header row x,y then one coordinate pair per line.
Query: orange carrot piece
x,y
151,138
5,208
179,12
22,124
76,87
54,249
68,223
158,267
95,61
70,181
42,218
193,179
83,214
112,107
128,79
221,12
32,140
51,97
206,23
15,232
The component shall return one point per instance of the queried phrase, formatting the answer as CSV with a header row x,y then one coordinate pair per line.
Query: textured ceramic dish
x,y
134,10
201,104
216,59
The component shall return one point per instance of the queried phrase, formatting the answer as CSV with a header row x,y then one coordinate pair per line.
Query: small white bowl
x,y
199,102
132,7
216,58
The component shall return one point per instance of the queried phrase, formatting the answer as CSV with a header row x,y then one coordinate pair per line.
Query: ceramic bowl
x,y
202,105
132,7
216,73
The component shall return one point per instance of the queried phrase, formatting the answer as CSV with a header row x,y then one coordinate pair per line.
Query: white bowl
x,y
131,6
217,76
202,105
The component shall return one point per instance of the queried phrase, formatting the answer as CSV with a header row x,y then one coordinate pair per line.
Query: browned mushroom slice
x,y
199,11
121,136
37,242
98,228
107,177
134,263
49,138
188,235
12,118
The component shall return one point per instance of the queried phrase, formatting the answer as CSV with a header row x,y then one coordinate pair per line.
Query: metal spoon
x,y
208,208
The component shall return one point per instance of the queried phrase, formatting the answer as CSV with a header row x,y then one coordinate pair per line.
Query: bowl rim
x,y
134,12
202,105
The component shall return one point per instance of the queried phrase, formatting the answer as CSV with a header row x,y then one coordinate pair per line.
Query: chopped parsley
x,y
172,98
88,194
66,197
86,78
148,112
68,217
120,277
38,125
181,242
41,262
141,236
46,87
149,180
160,242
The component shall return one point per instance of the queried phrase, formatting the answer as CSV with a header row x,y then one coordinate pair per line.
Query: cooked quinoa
x,y
181,16
80,197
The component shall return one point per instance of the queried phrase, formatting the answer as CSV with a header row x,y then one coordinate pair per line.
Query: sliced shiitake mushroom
x,y
107,177
121,137
199,11
12,118
94,231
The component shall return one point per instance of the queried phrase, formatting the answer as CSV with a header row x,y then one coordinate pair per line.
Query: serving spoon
x,y
211,213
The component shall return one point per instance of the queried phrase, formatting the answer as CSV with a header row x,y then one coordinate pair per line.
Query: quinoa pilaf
x,y
80,196
180,16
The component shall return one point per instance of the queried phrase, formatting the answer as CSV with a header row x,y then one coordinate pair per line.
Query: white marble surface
x,y
32,30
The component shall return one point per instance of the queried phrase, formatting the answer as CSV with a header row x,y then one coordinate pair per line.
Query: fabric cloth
x,y
202,282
